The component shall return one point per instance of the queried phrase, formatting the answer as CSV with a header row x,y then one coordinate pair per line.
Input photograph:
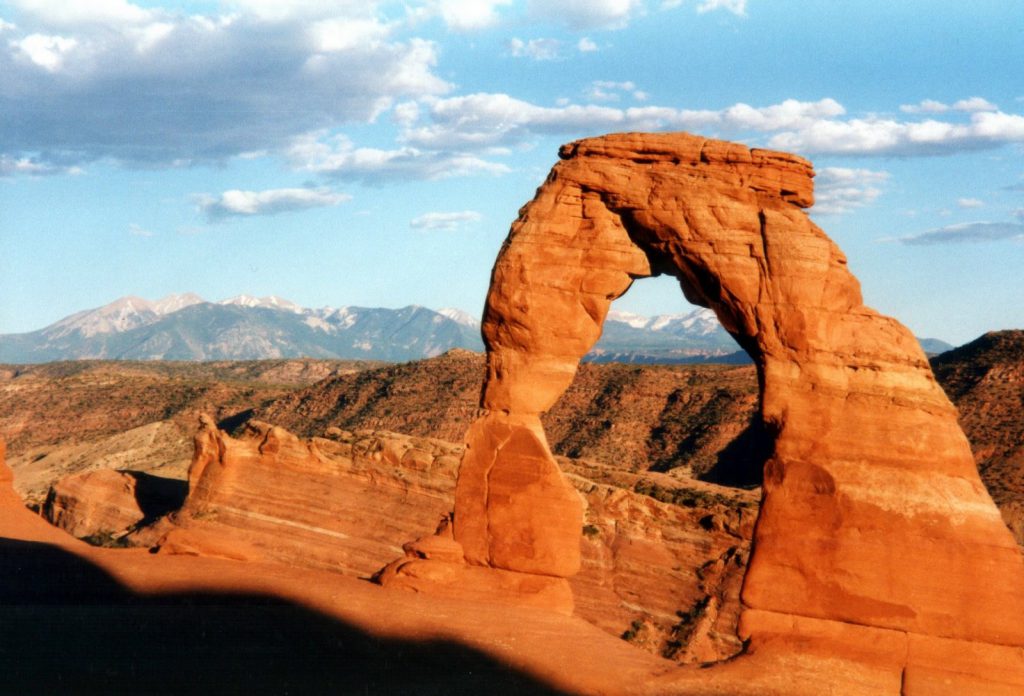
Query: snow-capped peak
x,y
459,316
268,302
120,315
700,320
173,303
637,321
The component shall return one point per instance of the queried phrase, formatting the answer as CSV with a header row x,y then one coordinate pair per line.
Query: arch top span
x,y
724,219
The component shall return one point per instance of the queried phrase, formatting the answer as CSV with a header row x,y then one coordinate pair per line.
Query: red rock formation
x,y
343,504
873,512
346,502
93,503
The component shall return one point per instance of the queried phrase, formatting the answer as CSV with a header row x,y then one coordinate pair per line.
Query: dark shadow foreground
x,y
157,496
67,627
741,463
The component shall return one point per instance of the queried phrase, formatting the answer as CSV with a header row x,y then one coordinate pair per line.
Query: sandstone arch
x,y
873,512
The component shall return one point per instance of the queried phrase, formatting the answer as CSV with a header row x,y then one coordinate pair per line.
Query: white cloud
x,y
840,190
790,113
346,33
737,7
274,11
139,231
215,88
930,106
46,51
974,104
467,15
927,106
444,221
406,113
65,13
236,203
586,45
878,136
11,166
537,49
337,157
969,232
587,14
970,203
606,90
484,120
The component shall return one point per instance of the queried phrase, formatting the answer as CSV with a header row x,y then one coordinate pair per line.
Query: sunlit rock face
x,y
873,511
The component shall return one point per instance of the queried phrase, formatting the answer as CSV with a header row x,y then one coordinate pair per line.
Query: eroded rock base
x,y
799,656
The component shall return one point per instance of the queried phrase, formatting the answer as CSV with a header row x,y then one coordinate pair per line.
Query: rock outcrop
x,y
653,550
874,524
342,503
94,504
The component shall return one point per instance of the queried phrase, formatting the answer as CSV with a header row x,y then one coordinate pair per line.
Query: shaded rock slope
x,y
985,379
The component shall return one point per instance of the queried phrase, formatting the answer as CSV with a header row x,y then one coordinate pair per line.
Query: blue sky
x,y
375,153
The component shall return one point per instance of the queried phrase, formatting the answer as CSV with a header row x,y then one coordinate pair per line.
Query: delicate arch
x,y
870,488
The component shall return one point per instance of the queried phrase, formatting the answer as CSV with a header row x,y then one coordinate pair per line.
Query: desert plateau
x,y
472,347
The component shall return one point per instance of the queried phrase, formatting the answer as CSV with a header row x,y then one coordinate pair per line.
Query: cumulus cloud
x,y
461,15
63,13
970,202
236,203
840,190
444,221
108,79
969,232
537,49
486,120
882,136
930,106
143,86
336,156
495,120
587,14
45,51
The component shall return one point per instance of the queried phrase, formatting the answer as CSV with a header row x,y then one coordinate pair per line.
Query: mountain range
x,y
187,327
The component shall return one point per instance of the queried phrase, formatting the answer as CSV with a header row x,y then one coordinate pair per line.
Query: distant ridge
x,y
187,327
246,327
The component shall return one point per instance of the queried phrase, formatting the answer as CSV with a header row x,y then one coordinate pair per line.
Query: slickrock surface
x,y
873,512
